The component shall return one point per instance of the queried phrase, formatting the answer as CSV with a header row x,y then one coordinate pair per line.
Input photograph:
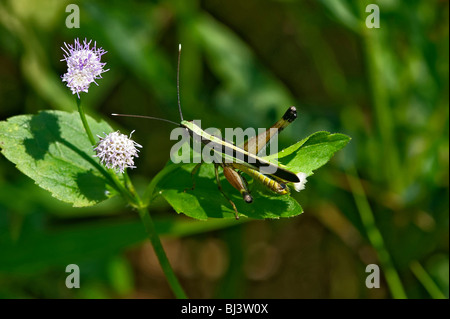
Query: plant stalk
x,y
161,254
130,195
426,281
375,237
85,123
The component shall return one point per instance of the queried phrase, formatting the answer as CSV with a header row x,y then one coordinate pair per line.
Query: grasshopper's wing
x,y
231,153
257,144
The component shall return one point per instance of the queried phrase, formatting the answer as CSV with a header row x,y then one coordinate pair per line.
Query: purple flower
x,y
83,65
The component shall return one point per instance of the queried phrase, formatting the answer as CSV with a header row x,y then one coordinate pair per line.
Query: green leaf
x,y
312,152
206,201
53,149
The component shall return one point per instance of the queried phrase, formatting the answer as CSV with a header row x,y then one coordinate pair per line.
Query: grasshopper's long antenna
x,y
145,117
178,81
178,98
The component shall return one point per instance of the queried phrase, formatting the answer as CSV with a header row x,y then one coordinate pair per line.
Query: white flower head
x,y
117,151
83,65
300,185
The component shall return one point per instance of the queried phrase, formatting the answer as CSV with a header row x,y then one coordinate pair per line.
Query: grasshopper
x,y
235,160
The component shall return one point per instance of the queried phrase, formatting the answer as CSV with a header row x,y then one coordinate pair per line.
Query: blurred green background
x,y
384,199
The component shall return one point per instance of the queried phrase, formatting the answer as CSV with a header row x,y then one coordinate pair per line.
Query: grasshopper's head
x,y
191,128
187,124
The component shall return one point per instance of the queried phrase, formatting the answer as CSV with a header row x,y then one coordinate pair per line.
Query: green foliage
x,y
52,148
205,200
312,152
38,250
243,63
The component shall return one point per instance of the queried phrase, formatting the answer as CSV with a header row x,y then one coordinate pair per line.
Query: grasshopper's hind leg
x,y
219,185
237,181
193,172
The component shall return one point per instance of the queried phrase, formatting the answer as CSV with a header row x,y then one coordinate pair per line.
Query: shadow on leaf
x,y
91,186
45,130
74,162
206,201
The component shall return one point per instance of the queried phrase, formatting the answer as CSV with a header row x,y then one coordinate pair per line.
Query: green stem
x,y
149,226
134,200
128,191
375,237
129,185
161,254
148,195
153,236
85,123
426,281
373,43
123,190
116,182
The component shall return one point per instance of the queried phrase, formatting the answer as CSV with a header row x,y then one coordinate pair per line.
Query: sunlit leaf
x,y
312,152
206,201
53,149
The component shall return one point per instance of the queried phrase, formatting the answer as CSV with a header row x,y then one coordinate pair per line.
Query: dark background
x,y
383,199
